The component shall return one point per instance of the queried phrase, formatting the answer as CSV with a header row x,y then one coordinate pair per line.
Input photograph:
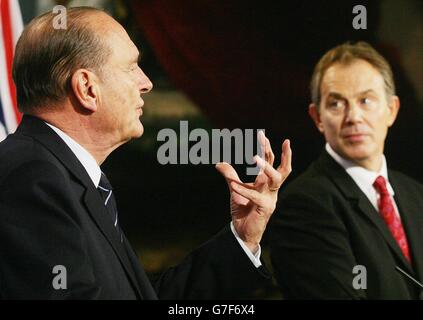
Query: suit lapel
x,y
411,210
37,129
98,212
360,202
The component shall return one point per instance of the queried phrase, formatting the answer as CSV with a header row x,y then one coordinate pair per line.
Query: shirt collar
x,y
363,177
86,159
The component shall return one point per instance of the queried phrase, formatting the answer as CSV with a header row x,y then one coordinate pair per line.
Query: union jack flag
x,y
11,26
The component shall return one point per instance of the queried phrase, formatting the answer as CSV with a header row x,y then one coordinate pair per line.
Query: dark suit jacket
x,y
52,214
325,225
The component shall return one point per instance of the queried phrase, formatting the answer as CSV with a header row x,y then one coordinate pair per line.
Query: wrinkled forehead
x,y
351,79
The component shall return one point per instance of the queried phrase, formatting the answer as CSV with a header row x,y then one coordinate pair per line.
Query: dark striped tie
x,y
106,192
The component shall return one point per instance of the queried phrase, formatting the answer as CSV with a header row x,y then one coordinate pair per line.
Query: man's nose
x,y
145,84
353,113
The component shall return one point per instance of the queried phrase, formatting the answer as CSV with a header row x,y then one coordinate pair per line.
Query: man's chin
x,y
356,153
139,131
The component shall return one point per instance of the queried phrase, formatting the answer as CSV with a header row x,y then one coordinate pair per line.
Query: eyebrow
x,y
366,91
337,95
136,58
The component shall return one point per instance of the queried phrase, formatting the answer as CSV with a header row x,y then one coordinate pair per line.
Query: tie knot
x,y
380,185
104,183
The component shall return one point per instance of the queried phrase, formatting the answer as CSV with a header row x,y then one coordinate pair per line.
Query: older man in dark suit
x,y
348,227
80,89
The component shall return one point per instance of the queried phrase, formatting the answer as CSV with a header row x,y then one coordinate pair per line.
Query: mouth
x,y
354,138
139,110
139,107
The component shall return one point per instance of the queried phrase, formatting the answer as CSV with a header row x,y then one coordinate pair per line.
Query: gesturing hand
x,y
252,204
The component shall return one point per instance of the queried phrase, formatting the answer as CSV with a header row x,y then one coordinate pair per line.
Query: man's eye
x,y
368,102
365,100
336,104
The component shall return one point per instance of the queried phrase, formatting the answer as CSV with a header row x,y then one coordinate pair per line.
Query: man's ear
x,y
313,112
394,106
85,89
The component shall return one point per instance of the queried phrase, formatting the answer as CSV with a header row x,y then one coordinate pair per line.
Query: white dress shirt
x,y
94,171
86,159
365,178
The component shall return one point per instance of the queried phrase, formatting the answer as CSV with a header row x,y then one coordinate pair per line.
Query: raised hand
x,y
252,204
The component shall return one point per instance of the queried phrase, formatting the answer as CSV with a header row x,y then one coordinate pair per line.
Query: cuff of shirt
x,y
255,258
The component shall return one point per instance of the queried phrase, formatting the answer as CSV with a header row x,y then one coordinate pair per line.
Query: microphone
x,y
409,277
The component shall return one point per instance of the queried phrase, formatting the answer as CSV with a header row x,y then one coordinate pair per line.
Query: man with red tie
x,y
348,227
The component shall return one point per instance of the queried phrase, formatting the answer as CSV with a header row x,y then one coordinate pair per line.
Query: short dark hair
x,y
46,58
345,54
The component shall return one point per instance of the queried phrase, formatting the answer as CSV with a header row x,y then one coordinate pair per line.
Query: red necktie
x,y
387,210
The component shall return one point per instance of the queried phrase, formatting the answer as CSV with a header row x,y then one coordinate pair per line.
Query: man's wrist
x,y
253,255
